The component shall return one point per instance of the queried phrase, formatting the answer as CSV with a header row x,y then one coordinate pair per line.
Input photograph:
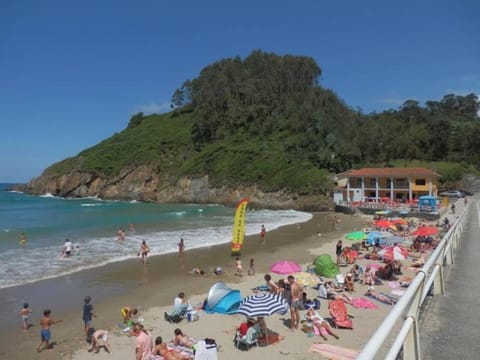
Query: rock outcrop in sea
x,y
145,184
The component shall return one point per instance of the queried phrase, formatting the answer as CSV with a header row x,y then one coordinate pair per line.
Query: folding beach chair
x,y
339,314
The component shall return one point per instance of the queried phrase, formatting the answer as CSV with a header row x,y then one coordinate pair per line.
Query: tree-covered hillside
x,y
265,120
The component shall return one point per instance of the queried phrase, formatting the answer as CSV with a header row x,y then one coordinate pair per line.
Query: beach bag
x,y
340,279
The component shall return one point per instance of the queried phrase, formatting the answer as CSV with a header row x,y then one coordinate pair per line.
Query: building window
x,y
420,182
372,182
401,182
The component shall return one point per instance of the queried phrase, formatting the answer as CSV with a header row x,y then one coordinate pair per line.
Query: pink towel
x,y
322,330
362,303
393,284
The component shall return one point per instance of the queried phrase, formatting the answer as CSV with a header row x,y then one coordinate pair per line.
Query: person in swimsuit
x,y
45,335
23,239
127,313
320,323
24,313
96,337
181,247
296,302
238,267
161,349
272,287
182,339
143,251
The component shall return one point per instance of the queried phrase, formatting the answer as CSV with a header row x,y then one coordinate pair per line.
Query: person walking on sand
x,y
87,314
295,303
251,269
181,247
238,267
45,322
263,232
338,250
143,251
25,312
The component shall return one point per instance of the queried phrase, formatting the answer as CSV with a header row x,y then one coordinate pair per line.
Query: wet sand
x,y
156,284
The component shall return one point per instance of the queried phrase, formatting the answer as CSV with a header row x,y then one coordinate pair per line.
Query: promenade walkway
x,y
450,325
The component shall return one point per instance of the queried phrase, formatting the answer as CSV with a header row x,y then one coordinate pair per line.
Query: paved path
x,y
450,327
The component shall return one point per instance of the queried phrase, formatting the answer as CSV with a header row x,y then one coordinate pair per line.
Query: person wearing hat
x,y
244,326
349,284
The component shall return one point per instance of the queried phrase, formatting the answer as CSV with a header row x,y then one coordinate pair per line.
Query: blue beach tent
x,y
222,300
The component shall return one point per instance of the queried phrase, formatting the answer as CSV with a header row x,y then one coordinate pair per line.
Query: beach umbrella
x,y
383,223
394,253
307,279
356,235
392,240
425,231
285,267
374,235
260,305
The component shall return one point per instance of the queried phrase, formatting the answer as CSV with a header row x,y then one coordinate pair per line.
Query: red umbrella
x,y
382,223
425,231
391,253
285,267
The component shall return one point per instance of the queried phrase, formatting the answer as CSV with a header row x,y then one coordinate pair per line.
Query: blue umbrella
x,y
260,305
374,235
392,240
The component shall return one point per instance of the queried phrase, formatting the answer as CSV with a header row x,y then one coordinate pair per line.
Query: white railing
x,y
406,311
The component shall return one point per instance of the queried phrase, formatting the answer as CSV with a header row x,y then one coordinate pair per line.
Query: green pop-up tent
x,y
325,266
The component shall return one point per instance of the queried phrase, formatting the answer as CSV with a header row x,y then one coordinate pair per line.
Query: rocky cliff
x,y
147,184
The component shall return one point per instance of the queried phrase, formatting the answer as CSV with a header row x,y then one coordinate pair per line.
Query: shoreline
x,y
118,284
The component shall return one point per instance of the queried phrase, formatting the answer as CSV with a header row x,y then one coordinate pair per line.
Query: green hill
x,y
265,122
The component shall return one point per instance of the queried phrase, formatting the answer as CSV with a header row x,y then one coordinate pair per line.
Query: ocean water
x,y
92,224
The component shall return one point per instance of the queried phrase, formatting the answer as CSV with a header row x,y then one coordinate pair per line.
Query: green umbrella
x,y
356,235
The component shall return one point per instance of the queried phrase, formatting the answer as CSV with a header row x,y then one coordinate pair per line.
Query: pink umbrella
x,y
285,267
394,253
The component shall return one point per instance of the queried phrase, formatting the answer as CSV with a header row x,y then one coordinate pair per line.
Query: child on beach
x,y
263,232
24,313
238,267
251,269
96,337
45,335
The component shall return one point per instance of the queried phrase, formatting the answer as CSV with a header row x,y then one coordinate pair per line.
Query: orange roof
x,y
389,171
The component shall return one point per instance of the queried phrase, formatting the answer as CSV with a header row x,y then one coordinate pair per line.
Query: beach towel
x,y
398,292
393,284
322,331
363,303
334,352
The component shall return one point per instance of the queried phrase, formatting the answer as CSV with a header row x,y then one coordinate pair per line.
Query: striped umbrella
x,y
263,305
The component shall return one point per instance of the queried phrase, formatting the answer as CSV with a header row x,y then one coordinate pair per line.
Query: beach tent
x,y
223,300
427,202
325,266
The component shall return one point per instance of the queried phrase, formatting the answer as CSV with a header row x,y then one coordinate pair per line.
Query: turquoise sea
x,y
92,224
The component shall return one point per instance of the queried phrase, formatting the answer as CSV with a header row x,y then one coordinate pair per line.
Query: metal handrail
x,y
408,306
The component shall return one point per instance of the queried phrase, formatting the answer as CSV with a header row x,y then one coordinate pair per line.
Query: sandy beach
x,y
152,289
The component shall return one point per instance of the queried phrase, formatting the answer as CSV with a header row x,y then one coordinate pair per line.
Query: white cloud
x,y
154,108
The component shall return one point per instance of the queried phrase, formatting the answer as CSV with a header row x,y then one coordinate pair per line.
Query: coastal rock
x,y
148,184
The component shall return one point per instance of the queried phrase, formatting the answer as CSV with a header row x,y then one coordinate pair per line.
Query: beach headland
x,y
155,285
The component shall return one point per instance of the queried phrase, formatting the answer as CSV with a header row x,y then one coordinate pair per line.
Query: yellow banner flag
x,y
239,226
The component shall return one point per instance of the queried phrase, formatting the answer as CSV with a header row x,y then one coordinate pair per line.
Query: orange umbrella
x,y
425,231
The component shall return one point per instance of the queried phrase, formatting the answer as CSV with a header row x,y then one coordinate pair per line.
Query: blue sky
x,y
72,73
